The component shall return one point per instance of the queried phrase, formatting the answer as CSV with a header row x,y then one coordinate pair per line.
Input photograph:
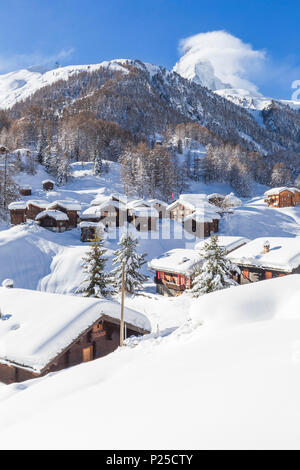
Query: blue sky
x,y
90,31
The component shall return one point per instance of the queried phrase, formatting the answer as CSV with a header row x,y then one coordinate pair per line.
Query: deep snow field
x,y
222,373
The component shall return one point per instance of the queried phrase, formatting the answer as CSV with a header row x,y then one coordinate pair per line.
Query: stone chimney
x,y
266,246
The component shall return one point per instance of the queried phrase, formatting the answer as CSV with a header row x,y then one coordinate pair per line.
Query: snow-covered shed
x,y
48,185
174,270
53,220
25,190
69,207
229,243
34,207
265,258
17,211
90,231
42,332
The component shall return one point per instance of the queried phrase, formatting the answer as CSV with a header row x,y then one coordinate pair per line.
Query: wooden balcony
x,y
170,285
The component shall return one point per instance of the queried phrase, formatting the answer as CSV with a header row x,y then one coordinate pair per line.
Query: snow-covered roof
x,y
66,204
98,210
91,212
36,326
231,200
57,215
144,211
227,242
137,203
276,191
203,215
101,199
190,201
86,224
25,186
17,205
48,181
38,203
157,201
284,254
177,261
216,196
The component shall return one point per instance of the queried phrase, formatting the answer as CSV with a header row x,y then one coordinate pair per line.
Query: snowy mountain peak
x,y
19,85
200,72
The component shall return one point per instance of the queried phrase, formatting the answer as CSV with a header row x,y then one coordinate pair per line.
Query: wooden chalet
x,y
42,333
143,218
188,204
202,223
282,197
34,207
25,190
53,220
174,271
110,213
48,185
267,258
160,206
17,212
70,208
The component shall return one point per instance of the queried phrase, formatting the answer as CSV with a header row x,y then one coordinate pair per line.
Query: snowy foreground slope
x,y
227,378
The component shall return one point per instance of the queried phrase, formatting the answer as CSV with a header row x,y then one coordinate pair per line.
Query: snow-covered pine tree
x,y
216,271
133,262
63,170
9,190
98,165
97,283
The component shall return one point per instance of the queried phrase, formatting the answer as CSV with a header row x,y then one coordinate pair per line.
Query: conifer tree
x,y
98,165
133,262
97,282
216,271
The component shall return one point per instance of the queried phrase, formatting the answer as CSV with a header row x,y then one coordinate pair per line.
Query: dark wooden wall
x,y
103,344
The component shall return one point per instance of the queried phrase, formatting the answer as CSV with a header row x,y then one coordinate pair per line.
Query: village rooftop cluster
x,y
75,329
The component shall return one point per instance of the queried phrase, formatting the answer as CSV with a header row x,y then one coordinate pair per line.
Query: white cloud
x,y
9,63
233,61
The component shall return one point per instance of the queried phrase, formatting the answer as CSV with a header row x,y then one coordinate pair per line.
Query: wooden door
x,y
87,354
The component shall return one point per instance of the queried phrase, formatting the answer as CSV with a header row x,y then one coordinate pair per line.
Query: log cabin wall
x,y
18,216
54,225
250,274
25,192
101,341
32,211
72,215
48,186
284,199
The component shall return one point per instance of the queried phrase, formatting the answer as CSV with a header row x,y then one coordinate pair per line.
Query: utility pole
x,y
122,305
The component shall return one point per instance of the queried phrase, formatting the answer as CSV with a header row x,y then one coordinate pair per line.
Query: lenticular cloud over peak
x,y
218,60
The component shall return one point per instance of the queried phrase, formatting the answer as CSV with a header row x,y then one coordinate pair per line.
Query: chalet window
x,y
268,275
